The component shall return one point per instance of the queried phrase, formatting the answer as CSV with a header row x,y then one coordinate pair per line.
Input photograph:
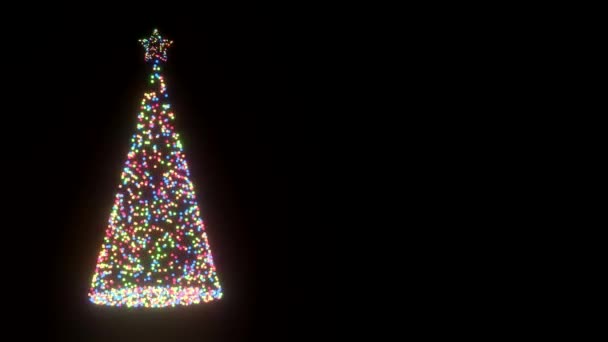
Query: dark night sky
x,y
265,111
74,88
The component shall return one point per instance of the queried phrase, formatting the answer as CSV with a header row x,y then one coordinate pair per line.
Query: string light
x,y
156,48
155,251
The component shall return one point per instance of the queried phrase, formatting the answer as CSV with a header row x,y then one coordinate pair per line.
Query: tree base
x,y
154,296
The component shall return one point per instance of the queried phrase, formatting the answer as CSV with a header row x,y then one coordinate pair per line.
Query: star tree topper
x,y
156,46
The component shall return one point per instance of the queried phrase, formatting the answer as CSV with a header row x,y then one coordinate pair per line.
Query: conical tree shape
x,y
155,251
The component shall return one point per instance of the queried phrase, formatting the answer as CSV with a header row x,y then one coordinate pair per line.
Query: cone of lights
x,y
155,251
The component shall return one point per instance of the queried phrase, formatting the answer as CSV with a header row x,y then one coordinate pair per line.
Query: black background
x,y
268,100
72,88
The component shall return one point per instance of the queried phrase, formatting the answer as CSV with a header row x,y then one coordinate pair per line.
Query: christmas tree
x,y
155,252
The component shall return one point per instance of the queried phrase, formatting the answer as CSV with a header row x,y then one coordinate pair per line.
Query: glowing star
x,y
155,252
156,47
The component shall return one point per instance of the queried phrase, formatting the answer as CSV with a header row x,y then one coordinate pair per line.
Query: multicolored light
x,y
156,46
155,252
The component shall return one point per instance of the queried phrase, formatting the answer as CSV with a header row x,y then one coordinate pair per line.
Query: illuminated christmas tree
x,y
155,252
